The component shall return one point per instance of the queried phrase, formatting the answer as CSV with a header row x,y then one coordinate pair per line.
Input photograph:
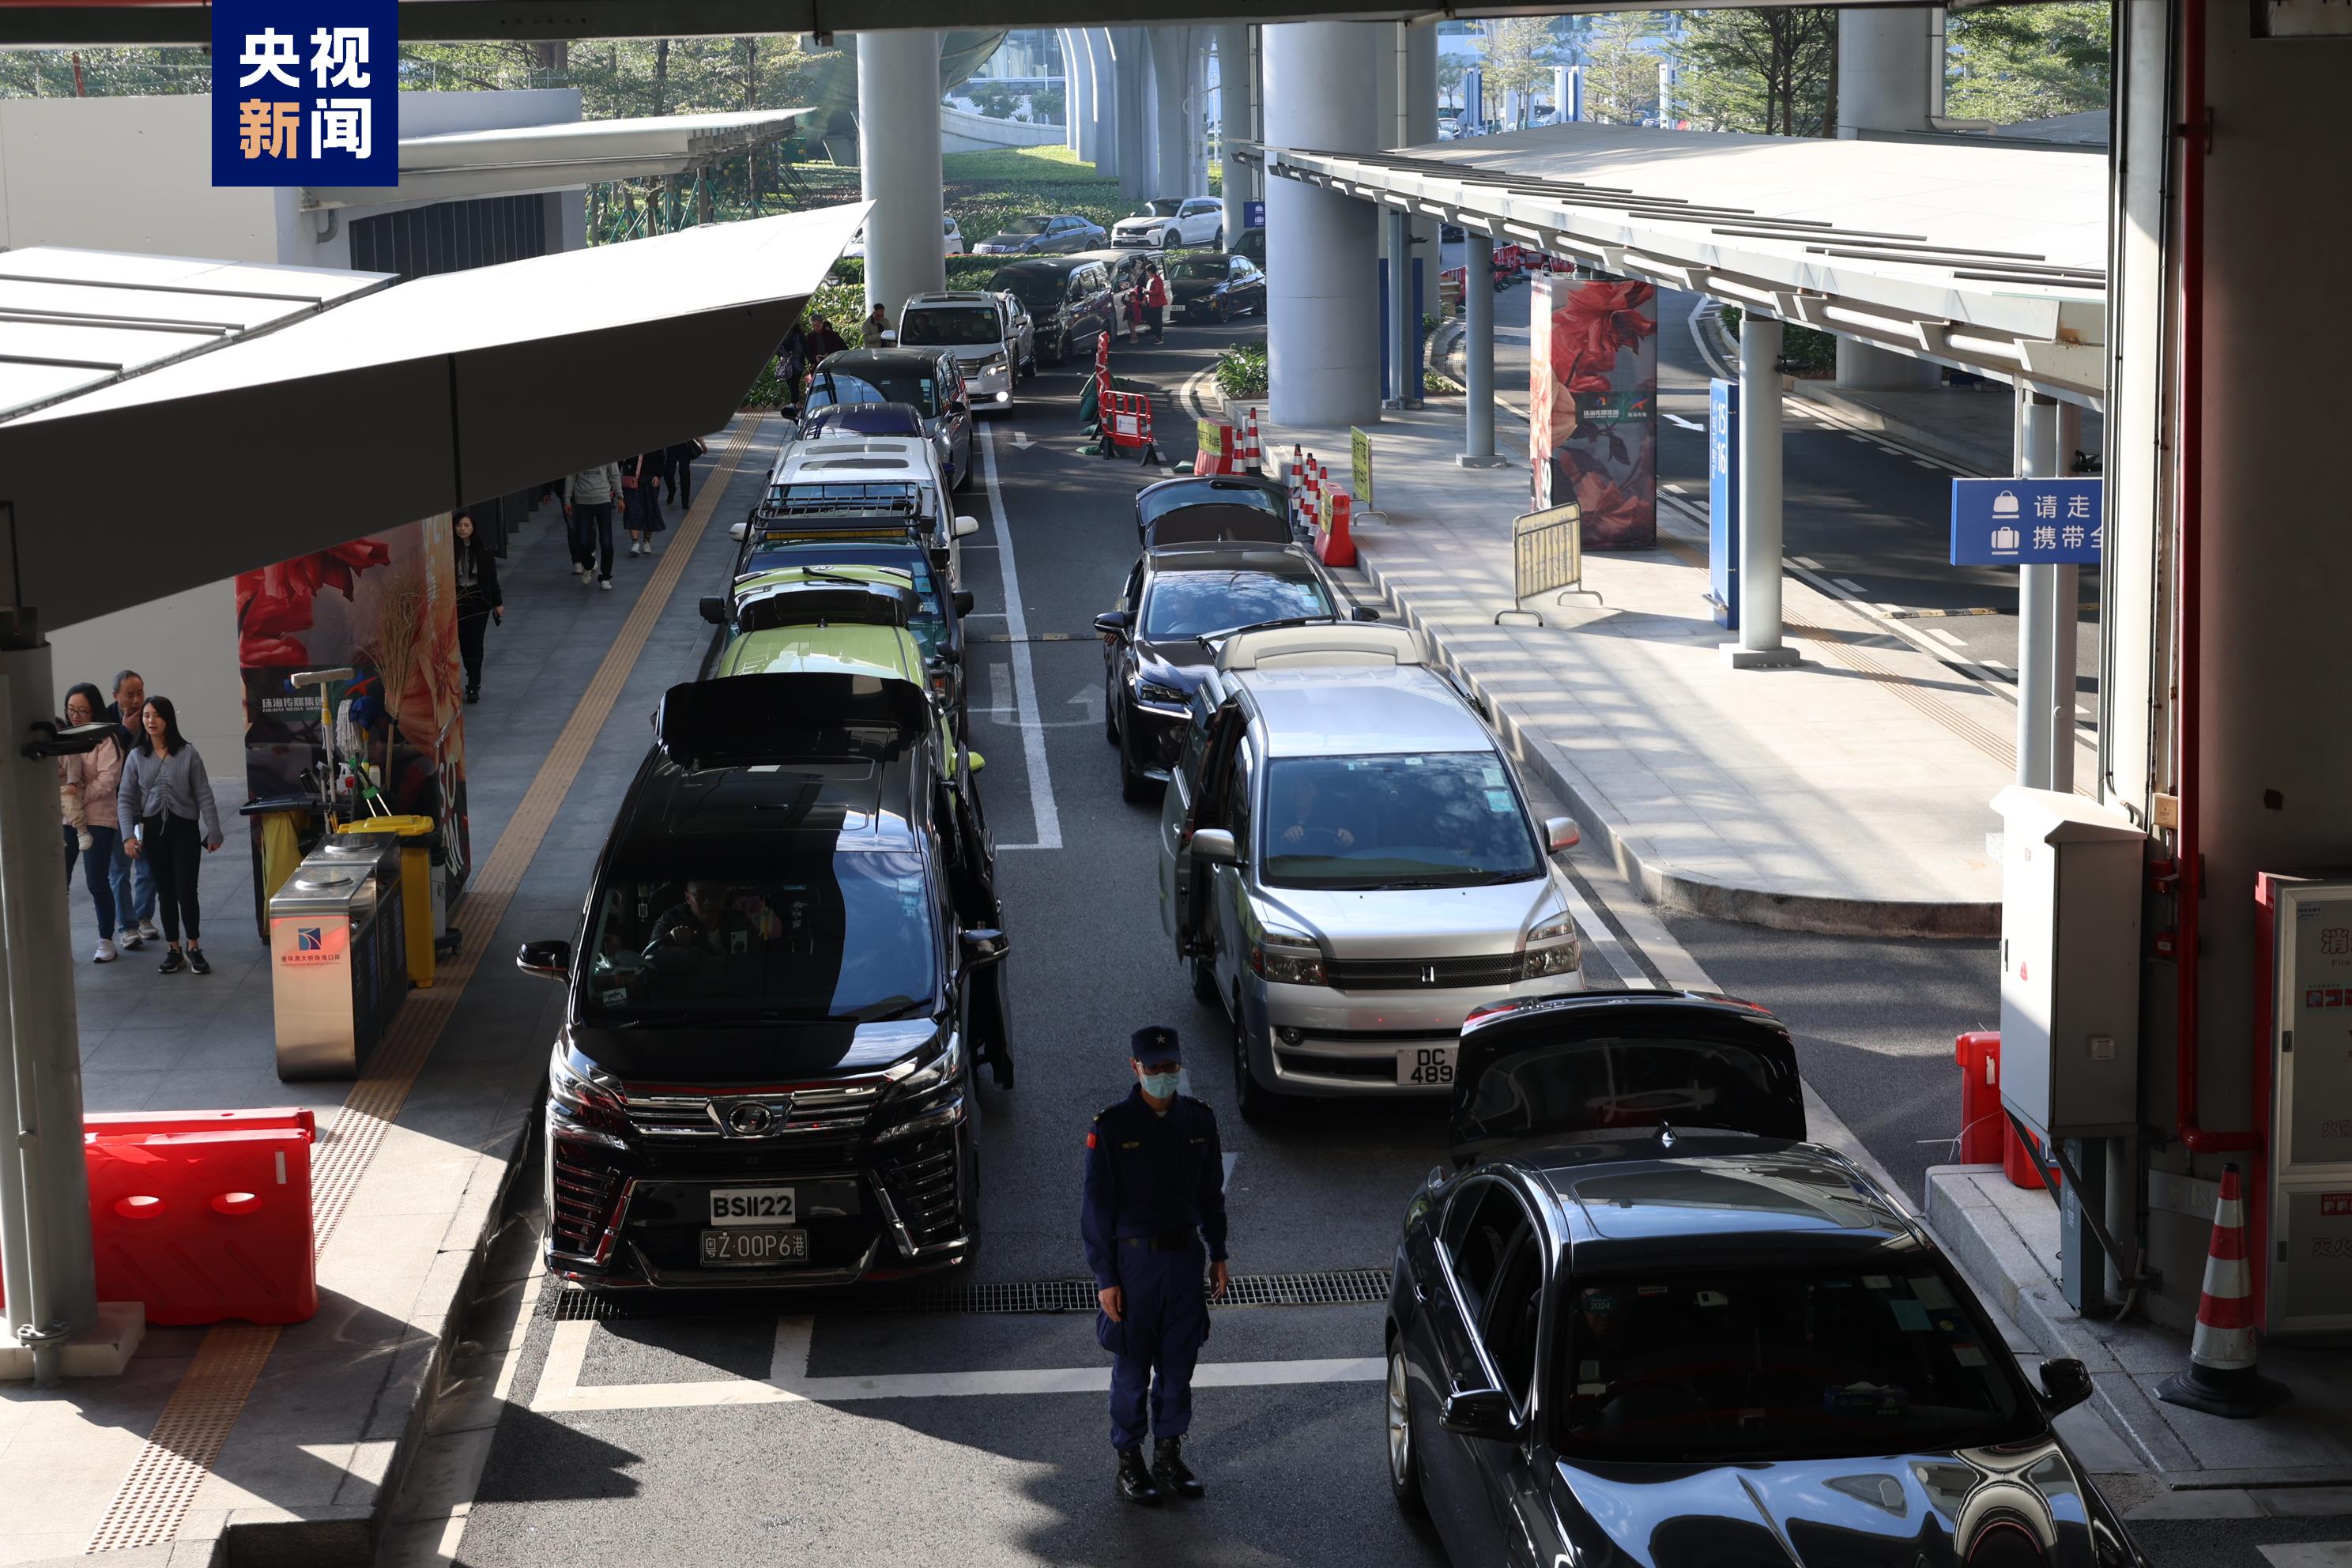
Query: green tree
x,y
2030,62
1572,38
104,73
1518,55
1449,81
1765,70
1621,76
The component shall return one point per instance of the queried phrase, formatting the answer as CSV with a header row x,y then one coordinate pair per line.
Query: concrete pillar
x,y
1883,85
2037,607
1323,358
1171,50
1133,72
1417,127
1078,92
1104,111
1478,352
1234,94
1403,322
2064,653
898,165
1759,646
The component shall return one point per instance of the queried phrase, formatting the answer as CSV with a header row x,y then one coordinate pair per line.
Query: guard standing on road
x,y
1155,1192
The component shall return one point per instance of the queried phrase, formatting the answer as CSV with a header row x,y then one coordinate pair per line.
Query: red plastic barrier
x,y
1984,1128
204,1214
1126,420
2017,1160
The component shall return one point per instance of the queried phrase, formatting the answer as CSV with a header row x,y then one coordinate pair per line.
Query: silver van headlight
x,y
1551,948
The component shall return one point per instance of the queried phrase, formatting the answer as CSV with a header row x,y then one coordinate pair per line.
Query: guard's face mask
x,y
1160,1085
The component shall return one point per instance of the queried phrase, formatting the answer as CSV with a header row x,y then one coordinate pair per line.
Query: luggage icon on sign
x,y
2007,540
2005,504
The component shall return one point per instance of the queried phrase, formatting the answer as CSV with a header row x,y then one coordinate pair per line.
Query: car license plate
x,y
752,1205
749,1248
1426,1067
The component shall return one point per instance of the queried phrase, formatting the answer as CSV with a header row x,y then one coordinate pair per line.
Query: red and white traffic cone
x,y
2222,1379
1251,455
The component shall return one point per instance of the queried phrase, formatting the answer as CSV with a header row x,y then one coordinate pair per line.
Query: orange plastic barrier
x,y
1984,1129
204,1214
1334,545
1126,422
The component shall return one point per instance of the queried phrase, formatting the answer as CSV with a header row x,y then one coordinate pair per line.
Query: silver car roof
x,y
1336,711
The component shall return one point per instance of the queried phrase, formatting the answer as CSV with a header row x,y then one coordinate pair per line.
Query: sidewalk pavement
x,y
292,1442
1851,794
2295,1460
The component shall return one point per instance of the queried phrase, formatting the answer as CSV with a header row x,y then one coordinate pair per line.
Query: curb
x,y
1671,889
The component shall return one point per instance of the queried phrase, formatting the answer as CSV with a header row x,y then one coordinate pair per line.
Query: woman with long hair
x,y
87,785
479,600
166,799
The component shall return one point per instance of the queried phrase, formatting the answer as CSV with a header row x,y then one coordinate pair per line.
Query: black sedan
x,y
1216,287
1161,641
1155,500
1646,1322
1044,234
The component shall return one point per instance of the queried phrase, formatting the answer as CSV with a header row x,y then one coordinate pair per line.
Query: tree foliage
x,y
2029,62
1620,74
1518,55
1766,71
104,73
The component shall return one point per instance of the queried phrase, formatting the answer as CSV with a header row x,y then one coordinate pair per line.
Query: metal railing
x,y
1546,551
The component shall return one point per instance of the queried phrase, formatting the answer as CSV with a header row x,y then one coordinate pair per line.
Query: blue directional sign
x,y
1252,215
2028,522
1723,501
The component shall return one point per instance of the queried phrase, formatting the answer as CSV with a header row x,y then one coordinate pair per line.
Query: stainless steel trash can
x,y
337,959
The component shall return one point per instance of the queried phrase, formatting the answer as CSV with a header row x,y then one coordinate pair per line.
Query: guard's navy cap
x,y
1154,1043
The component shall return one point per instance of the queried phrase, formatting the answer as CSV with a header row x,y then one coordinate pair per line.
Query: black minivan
x,y
1068,298
787,974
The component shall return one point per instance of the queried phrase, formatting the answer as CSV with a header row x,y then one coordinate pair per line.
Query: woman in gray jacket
x,y
166,810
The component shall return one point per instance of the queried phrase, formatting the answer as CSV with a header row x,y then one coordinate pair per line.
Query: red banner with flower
x,y
1592,424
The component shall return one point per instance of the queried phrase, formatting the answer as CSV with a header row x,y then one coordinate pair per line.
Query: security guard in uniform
x,y
1155,1192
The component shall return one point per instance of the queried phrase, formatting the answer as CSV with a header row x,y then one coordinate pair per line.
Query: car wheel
x,y
1167,237
1061,354
1257,1103
963,474
1405,1464
1204,981
1134,785
1223,315
1218,242
1110,705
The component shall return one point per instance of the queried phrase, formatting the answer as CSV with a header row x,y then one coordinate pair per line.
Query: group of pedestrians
x,y
138,816
633,487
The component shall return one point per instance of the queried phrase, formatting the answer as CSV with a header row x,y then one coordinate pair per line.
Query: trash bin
x,y
338,960
420,846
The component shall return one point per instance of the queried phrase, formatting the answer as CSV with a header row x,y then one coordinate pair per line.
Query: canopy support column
x,y
898,165
1478,352
2045,697
1759,646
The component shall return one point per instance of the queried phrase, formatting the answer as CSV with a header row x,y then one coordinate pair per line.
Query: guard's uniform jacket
x,y
1155,1192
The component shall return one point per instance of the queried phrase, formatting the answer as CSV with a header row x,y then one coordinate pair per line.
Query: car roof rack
x,y
1343,644
805,604
745,721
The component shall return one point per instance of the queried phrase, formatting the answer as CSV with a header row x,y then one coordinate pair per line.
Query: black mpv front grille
x,y
1422,973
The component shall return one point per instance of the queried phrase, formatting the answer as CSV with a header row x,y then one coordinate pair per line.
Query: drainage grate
x,y
1339,1287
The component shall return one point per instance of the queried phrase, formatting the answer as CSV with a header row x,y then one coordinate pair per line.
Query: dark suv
x,y
1067,297
787,973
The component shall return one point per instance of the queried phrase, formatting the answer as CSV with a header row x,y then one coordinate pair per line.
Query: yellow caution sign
x,y
1360,458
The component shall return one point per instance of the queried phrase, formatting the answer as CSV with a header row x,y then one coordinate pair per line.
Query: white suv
x,y
1167,221
989,334
1348,863
842,483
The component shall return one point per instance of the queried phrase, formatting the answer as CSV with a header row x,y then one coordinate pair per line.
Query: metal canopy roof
x,y
513,160
394,406
1990,258
74,319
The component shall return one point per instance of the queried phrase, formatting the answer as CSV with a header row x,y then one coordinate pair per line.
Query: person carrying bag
x,y
166,801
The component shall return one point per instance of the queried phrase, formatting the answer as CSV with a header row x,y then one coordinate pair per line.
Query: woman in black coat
x,y
479,602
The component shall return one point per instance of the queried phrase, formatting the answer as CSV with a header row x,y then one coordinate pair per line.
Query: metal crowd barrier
x,y
1547,552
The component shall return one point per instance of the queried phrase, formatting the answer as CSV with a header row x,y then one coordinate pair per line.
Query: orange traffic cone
x,y
2222,1379
1250,456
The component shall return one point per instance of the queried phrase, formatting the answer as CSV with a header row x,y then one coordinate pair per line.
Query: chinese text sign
x,y
306,95
2028,522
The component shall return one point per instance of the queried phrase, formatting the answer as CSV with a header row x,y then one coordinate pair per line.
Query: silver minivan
x,y
1348,863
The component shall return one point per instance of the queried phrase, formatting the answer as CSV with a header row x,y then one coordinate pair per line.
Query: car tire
x,y
1110,707
963,474
1204,981
1166,239
1061,354
1218,241
1223,315
1404,1459
1134,785
1257,1103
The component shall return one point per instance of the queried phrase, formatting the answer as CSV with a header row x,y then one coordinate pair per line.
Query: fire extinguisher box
x,y
2070,917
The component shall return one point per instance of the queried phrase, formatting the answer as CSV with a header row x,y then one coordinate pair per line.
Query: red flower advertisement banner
x,y
1592,426
387,606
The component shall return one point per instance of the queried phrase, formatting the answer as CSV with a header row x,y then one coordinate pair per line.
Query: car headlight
x,y
1165,696
1288,958
1551,948
584,1092
926,1091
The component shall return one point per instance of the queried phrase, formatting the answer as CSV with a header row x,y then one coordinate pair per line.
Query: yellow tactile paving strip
x,y
197,1418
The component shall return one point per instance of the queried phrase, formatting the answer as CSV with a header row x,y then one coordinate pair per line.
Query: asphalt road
x,y
979,1453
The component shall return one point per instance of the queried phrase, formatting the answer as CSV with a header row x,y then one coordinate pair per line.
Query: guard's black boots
x,y
1169,1468
1134,1480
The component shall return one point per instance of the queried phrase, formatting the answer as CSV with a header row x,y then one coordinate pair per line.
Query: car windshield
x,y
1181,605
1161,498
1157,210
1020,226
841,936
1038,290
1608,1083
1201,267
908,387
828,388
950,326
861,419
1432,819
1791,1361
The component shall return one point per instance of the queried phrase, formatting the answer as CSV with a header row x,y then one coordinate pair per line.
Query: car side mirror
x,y
984,947
1560,833
552,960
1365,612
965,526
963,602
1479,1413
1215,847
714,609
2066,1382
888,336
739,531
1112,623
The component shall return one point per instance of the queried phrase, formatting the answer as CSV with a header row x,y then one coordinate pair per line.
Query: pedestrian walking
x,y
1155,300
824,341
1155,1192
641,481
479,600
130,881
589,496
792,363
88,785
1131,311
679,477
876,325
167,801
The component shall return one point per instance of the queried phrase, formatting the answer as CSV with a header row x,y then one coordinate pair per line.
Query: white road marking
x,y
1807,562
1686,424
431,1526
1024,675
1941,636
1596,934
1233,1158
1924,463
1849,585
2310,1554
